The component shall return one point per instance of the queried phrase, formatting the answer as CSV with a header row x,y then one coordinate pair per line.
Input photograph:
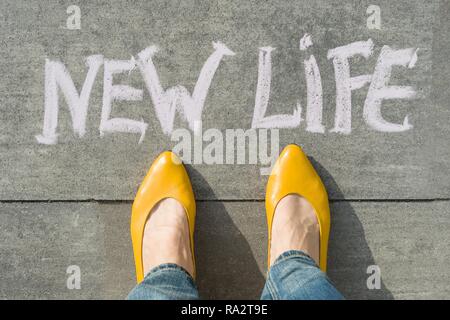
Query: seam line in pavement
x,y
106,201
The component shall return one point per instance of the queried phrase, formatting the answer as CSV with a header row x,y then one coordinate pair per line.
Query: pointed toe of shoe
x,y
166,178
293,173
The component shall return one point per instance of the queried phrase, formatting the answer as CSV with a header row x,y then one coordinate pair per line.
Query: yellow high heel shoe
x,y
167,178
294,174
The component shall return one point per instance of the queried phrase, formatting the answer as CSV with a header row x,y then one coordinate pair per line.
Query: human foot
x,y
295,227
166,237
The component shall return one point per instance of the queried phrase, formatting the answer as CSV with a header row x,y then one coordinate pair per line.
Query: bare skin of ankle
x,y
166,237
295,227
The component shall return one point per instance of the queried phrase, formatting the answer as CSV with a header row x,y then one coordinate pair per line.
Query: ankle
x,y
295,227
167,237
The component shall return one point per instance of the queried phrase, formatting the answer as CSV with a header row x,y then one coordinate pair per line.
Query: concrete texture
x,y
39,241
365,164
390,191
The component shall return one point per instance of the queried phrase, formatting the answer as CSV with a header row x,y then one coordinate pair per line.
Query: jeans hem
x,y
169,267
294,254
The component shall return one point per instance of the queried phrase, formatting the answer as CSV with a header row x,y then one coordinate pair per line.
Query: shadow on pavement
x,y
226,266
348,254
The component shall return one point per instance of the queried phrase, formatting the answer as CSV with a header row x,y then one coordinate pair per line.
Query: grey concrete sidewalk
x,y
68,203
408,241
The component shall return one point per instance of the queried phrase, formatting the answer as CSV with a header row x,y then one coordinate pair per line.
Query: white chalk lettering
x,y
119,93
56,75
345,84
380,90
167,102
262,97
314,106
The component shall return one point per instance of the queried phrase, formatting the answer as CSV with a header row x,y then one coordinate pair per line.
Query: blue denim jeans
x,y
293,276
